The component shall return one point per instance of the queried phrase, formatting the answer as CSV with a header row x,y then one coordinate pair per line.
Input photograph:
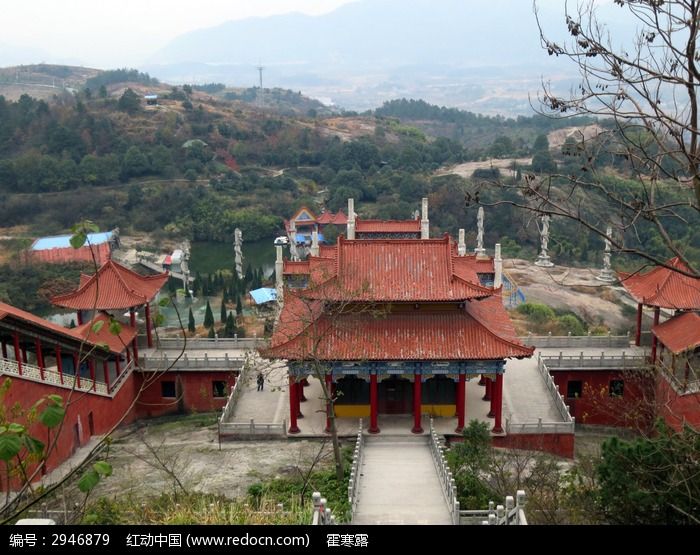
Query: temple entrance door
x,y
395,396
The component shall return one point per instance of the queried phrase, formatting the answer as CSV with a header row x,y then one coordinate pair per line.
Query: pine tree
x,y
249,274
190,322
230,329
72,323
223,310
208,317
211,333
239,306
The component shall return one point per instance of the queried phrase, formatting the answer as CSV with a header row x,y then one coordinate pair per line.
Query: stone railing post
x,y
510,503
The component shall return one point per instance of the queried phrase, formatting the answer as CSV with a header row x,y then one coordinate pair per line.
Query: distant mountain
x,y
481,56
11,55
376,33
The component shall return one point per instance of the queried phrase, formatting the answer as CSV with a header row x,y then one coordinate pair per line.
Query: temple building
x,y
115,288
395,323
57,249
675,343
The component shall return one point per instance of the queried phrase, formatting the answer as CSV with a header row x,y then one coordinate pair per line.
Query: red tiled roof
x,y
387,226
116,343
480,332
76,334
112,287
292,268
679,334
395,270
329,218
664,288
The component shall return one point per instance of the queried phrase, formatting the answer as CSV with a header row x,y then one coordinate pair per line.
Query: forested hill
x,y
204,161
472,130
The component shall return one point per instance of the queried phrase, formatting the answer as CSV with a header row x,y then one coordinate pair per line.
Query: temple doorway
x,y
395,396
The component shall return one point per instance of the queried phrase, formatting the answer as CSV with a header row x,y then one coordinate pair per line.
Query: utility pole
x,y
260,98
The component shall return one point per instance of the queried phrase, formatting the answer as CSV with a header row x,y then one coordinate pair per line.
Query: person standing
x,y
261,382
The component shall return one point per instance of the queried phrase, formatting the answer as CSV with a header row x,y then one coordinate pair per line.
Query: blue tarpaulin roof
x,y
63,241
306,237
264,295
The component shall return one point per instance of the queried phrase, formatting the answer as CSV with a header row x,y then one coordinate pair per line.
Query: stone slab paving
x,y
271,405
525,395
399,483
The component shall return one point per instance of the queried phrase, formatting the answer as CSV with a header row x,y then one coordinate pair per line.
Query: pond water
x,y
208,257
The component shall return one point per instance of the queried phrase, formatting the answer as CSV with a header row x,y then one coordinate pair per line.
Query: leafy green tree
x,y
208,317
541,144
223,314
230,329
470,460
653,480
542,162
190,322
135,163
129,102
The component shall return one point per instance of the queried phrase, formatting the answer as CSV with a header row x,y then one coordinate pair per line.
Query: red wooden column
x,y
105,370
638,335
80,317
497,394
373,404
461,384
657,313
128,356
4,349
293,428
39,357
24,354
59,363
299,393
417,391
76,369
91,366
149,333
135,348
329,390
18,354
492,398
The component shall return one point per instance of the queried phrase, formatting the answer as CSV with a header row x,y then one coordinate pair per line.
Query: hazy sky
x,y
125,32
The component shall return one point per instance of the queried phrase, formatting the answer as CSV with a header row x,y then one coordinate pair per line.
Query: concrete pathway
x,y
525,395
399,483
271,405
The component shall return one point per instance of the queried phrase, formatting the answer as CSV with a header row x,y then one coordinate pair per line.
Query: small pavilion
x,y
115,288
662,287
679,349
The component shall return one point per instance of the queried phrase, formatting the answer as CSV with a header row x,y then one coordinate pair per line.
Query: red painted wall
x,y
596,406
105,411
198,396
677,409
197,393
561,445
